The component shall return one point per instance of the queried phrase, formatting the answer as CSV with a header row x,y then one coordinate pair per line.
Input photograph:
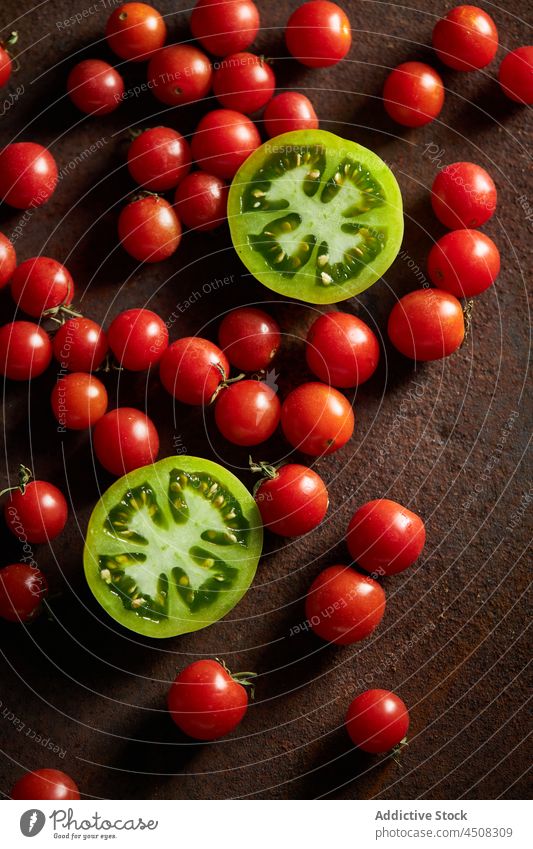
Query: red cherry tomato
x,y
22,589
80,345
201,201
466,38
6,65
95,87
250,338
192,369
206,701
464,262
516,75
247,412
125,439
244,82
8,260
292,499
38,514
179,74
223,140
377,721
224,26
427,324
138,339
287,112
343,606
413,94
159,158
78,400
463,195
318,34
28,175
134,31
25,350
384,537
149,229
41,284
341,349
45,784
316,419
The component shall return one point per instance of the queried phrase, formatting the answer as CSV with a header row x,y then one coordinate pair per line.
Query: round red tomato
x,y
134,31
250,338
466,38
223,140
201,201
179,74
341,349
192,369
6,64
125,439
95,87
318,34
25,350
427,324
292,499
38,514
244,82
287,112
343,606
28,175
316,419
224,26
464,262
45,784
377,721
413,94
138,339
8,260
149,229
384,537
78,400
463,195
159,158
41,284
80,345
247,412
22,589
516,75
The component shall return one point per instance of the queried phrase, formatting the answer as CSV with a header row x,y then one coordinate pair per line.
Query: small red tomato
x,y
22,589
413,94
463,195
343,606
292,499
25,350
201,201
6,64
244,82
224,26
138,339
80,345
192,369
427,324
377,721
134,31
317,419
45,784
247,412
159,158
179,74
8,260
41,284
287,112
95,87
149,229
318,34
384,537
250,338
38,514
516,75
223,140
28,175
466,39
78,400
341,349
125,439
464,262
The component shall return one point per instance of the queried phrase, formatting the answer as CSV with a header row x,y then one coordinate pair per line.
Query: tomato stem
x,y
226,381
468,312
268,471
24,475
397,750
11,40
245,679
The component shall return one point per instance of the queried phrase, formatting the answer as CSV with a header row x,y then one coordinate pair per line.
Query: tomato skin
x,y
318,34
223,140
135,31
149,229
287,112
224,26
201,201
138,338
125,439
247,412
341,350
159,158
46,784
8,260
464,262
78,400
25,350
427,324
192,369
384,537
413,94
40,284
6,66
22,589
28,175
205,702
516,75
466,38
344,607
316,419
244,82
293,502
463,195
80,344
179,74
37,515
377,721
250,338
95,87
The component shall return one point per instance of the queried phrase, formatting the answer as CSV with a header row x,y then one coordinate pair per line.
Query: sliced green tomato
x,y
173,547
315,217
